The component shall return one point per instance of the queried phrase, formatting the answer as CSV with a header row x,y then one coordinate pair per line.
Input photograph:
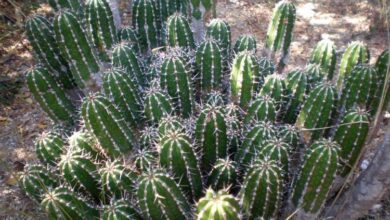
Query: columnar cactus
x,y
297,87
168,124
275,87
49,146
101,26
130,36
242,78
200,12
219,30
74,5
177,155
316,176
157,105
233,127
317,110
120,210
290,135
148,138
382,67
325,55
41,36
315,75
356,53
50,95
166,8
267,67
261,109
85,142
36,180
76,48
179,33
80,171
261,191
175,80
62,203
218,206
277,150
245,42
144,159
105,122
223,175
211,134
209,65
161,198
351,135
124,93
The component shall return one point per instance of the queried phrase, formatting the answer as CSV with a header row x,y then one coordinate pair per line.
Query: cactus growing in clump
x,y
116,178
219,30
49,146
76,48
233,127
125,94
177,155
351,135
161,198
100,25
120,210
83,141
316,176
211,134
314,75
316,111
145,23
74,5
148,137
266,67
277,150
297,87
166,8
218,206
144,159
105,122
223,175
50,95
157,105
359,88
175,80
325,55
168,124
382,67
261,109
261,191
245,42
36,180
63,203
129,35
356,53
275,87
242,78
80,171
289,134
40,34
209,64
179,33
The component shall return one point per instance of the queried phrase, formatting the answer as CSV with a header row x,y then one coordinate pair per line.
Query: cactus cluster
x,y
158,124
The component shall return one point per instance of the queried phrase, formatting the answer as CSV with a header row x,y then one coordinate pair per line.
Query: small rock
x,y
364,165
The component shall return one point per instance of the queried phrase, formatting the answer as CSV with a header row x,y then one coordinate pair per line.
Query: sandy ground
x,y
21,119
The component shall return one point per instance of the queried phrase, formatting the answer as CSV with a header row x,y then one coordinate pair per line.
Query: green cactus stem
x,y
120,210
324,54
245,42
223,175
382,67
168,124
267,67
144,159
219,30
315,75
275,87
49,146
261,109
130,36
290,135
157,105
179,33
277,150
74,5
85,142
148,138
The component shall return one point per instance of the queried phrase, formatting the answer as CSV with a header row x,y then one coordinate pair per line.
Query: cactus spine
x,y
49,146
169,124
324,54
75,47
148,138
144,159
277,150
50,95
245,42
178,156
275,87
223,175
157,105
218,206
261,191
297,86
261,109
316,176
160,197
219,30
120,210
179,32
290,135
84,142
105,122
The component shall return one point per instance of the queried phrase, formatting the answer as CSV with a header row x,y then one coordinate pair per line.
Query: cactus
x,y
356,53
63,203
316,176
382,67
144,159
316,111
148,138
290,135
179,33
218,206
160,197
175,80
324,54
177,155
145,23
36,180
209,64
261,191
129,35
233,127
223,175
101,26
275,87
85,142
40,34
124,56
105,122
266,67
261,109
79,170
168,124
50,95
125,94
277,150
351,135
359,88
219,30
255,137
166,8
157,105
120,210
210,132
74,5
49,146
242,78
117,178
315,75
201,13
245,42
297,87
76,48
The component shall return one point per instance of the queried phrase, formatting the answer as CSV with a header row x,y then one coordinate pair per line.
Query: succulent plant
x,y
83,141
120,210
382,67
277,150
74,5
157,105
49,146
179,33
266,67
223,175
130,36
275,87
219,30
169,124
325,55
315,75
245,42
144,159
263,108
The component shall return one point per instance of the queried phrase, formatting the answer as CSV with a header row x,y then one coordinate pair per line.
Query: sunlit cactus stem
x,y
275,87
219,30
297,87
179,33
325,55
83,141
49,146
120,209
263,108
245,42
